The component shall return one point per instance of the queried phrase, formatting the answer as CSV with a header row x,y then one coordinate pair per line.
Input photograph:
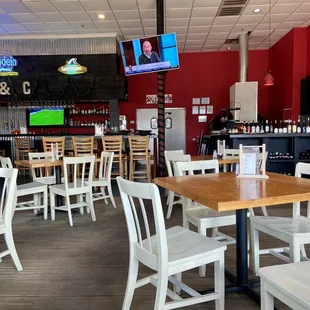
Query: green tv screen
x,y
47,117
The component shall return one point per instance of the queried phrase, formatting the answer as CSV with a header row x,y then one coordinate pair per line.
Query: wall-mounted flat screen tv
x,y
46,117
151,54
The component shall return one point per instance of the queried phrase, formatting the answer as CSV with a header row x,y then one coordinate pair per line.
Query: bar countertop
x,y
258,135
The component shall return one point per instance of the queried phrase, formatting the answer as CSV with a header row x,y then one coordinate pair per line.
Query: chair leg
x,y
131,282
303,250
255,248
148,170
161,290
45,203
202,269
103,193
90,205
69,210
52,201
131,170
219,282
11,246
214,231
267,300
177,289
80,199
170,204
294,252
111,195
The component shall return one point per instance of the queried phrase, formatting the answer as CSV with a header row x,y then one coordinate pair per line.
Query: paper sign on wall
x,y
195,109
153,99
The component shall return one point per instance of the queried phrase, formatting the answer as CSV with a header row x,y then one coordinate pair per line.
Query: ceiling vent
x,y
231,7
232,41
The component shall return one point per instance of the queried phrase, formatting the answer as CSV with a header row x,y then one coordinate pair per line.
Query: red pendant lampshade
x,y
269,80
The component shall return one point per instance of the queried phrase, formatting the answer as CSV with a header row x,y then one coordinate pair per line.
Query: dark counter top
x,y
258,135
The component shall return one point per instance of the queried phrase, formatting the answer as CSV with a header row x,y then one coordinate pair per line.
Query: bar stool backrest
x,y
139,145
22,143
48,141
83,146
113,144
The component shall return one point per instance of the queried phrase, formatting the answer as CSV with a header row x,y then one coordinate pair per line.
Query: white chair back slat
x,y
232,152
144,191
173,158
41,172
6,162
167,160
105,166
221,147
201,166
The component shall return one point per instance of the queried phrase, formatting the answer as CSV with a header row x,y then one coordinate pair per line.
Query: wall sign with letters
x,y
7,65
72,67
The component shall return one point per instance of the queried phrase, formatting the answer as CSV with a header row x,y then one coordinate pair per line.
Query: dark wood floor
x,y
85,267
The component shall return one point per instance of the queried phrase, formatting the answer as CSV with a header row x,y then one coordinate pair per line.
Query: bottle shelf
x,y
81,114
281,160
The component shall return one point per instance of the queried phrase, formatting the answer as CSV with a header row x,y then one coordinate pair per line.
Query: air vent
x,y
230,11
234,2
232,41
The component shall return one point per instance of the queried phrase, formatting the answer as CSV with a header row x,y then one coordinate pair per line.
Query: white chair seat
x,y
184,246
60,189
33,187
289,283
48,180
99,182
284,225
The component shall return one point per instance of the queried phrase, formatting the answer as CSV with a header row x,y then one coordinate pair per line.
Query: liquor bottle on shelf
x,y
271,129
248,130
298,125
267,128
303,127
308,125
244,127
257,128
285,130
289,126
94,110
280,127
275,128
253,128
294,127
262,127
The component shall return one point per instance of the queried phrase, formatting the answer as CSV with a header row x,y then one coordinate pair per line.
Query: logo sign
x,y
72,67
7,64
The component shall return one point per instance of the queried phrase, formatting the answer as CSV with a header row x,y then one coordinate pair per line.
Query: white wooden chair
x,y
79,187
43,175
171,159
169,252
36,189
293,230
289,283
201,216
7,203
104,179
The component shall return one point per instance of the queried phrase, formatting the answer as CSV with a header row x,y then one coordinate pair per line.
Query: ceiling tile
x,y
87,31
65,32
295,17
197,36
26,18
216,29
198,29
260,33
179,4
244,27
7,19
195,42
36,26
42,33
177,22
126,15
123,5
275,18
284,8
13,7
148,14
150,31
181,37
215,36
250,8
249,19
214,42
134,23
177,29
256,39
76,16
147,4
201,21
303,8
204,12
281,32
94,15
289,25
233,35
51,17
178,13
133,31
83,26
68,6
107,25
210,49
14,28
149,23
225,20
95,5
289,1
40,7
262,26
261,2
208,3
59,26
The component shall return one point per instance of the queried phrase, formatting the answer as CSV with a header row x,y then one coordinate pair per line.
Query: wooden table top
x,y
222,161
42,163
226,192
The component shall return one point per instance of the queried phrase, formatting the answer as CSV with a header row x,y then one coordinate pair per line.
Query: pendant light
x,y
269,80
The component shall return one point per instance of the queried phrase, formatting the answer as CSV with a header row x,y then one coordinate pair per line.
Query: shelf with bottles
x,y
92,111
278,156
88,123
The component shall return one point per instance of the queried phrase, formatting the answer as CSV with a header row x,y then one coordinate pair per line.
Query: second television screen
x,y
151,54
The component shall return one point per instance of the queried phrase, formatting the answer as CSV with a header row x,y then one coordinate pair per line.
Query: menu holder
x,y
252,162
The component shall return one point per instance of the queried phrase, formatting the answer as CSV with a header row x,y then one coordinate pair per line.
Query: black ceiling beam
x,y
160,16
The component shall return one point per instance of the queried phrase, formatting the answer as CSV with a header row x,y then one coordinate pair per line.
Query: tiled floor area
x,y
85,267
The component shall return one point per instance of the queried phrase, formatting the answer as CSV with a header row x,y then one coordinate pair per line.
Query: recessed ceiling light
x,y
257,10
228,47
101,16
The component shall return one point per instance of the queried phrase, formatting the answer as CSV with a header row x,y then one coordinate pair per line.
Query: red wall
x,y
201,75
288,63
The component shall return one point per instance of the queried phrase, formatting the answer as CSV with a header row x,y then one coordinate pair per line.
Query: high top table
x,y
226,192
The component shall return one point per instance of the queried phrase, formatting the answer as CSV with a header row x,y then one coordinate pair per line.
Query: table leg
x,y
58,181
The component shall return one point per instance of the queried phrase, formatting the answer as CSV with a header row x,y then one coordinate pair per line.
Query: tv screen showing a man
x,y
148,56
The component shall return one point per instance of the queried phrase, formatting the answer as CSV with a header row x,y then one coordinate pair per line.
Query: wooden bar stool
x,y
115,144
22,148
139,151
48,141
